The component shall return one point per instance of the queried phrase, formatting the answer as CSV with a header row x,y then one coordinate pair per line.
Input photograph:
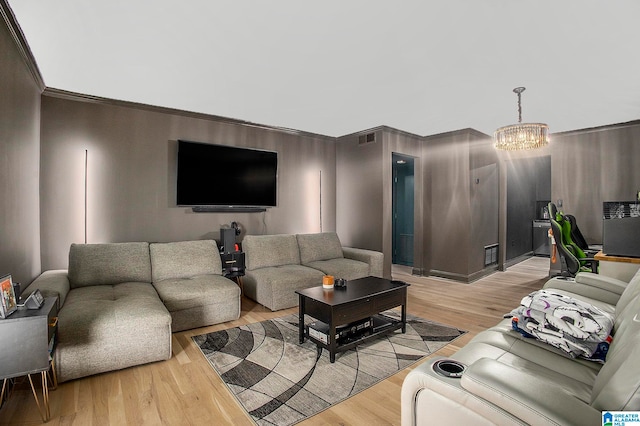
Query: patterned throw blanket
x,y
576,327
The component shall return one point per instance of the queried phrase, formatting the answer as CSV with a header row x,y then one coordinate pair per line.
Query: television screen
x,y
220,175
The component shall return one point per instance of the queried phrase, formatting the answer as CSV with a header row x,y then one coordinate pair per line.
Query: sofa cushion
x,y
577,378
109,327
178,294
617,383
111,263
630,293
321,246
348,269
270,250
184,259
275,287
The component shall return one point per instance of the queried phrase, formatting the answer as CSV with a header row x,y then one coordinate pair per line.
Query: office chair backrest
x,y
567,227
566,234
553,211
565,251
576,235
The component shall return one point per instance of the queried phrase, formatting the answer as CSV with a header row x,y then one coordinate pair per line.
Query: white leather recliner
x,y
507,379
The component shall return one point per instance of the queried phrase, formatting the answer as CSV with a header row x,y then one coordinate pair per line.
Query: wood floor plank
x,y
185,390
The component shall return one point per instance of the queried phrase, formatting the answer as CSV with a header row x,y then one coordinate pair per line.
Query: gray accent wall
x,y
455,205
485,198
461,213
591,166
19,162
360,191
131,152
325,183
364,190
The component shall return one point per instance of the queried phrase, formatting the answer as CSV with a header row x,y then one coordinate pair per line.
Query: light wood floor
x,y
185,390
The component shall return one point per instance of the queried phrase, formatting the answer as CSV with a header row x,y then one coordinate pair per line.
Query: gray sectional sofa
x,y
508,379
120,302
278,265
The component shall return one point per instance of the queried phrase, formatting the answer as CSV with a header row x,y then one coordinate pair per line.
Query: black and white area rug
x,y
280,382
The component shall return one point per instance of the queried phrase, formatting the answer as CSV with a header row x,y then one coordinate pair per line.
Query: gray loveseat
x,y
278,265
120,302
513,380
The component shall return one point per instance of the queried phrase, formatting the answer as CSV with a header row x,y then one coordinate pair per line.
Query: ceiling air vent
x,y
368,138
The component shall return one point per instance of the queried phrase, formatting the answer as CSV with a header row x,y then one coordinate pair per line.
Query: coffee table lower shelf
x,y
342,347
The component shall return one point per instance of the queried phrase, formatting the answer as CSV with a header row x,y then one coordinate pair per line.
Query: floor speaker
x,y
227,240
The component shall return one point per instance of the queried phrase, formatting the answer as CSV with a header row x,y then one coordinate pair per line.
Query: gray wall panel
x,y
449,240
449,219
461,195
359,193
131,175
484,213
592,166
364,190
484,192
19,160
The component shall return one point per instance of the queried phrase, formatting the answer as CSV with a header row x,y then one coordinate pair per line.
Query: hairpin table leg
x,y
4,385
54,376
45,413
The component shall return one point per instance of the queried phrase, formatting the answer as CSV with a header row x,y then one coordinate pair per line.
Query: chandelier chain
x,y
518,91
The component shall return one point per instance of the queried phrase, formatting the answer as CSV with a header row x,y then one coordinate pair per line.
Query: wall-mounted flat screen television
x,y
225,176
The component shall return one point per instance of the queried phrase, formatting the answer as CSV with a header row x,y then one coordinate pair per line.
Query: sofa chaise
x,y
501,377
278,265
120,302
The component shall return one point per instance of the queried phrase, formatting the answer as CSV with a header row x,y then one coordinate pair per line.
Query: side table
x,y
27,342
233,266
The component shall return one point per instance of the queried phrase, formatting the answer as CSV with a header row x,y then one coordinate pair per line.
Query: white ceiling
x,y
336,67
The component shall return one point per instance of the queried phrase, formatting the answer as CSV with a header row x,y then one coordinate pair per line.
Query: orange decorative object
x,y
554,259
327,281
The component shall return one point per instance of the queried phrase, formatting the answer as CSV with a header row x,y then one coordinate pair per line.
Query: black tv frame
x,y
234,152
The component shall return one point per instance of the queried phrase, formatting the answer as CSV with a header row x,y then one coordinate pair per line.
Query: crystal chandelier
x,y
522,135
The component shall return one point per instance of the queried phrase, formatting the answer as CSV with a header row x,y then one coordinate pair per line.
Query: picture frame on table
x,y
8,302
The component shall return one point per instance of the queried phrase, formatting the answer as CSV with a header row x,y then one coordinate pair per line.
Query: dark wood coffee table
x,y
362,298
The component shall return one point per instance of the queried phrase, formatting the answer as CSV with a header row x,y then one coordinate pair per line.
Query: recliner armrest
x,y
601,281
375,259
592,289
526,396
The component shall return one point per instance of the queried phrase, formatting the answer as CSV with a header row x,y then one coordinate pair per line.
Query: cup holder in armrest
x,y
449,368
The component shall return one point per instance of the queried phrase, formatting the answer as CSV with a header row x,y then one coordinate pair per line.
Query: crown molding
x,y
462,132
21,43
596,129
80,97
394,130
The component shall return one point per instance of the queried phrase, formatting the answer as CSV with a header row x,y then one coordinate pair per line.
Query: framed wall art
x,y
8,303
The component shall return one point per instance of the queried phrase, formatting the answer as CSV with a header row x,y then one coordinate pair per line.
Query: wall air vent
x,y
365,139
491,255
